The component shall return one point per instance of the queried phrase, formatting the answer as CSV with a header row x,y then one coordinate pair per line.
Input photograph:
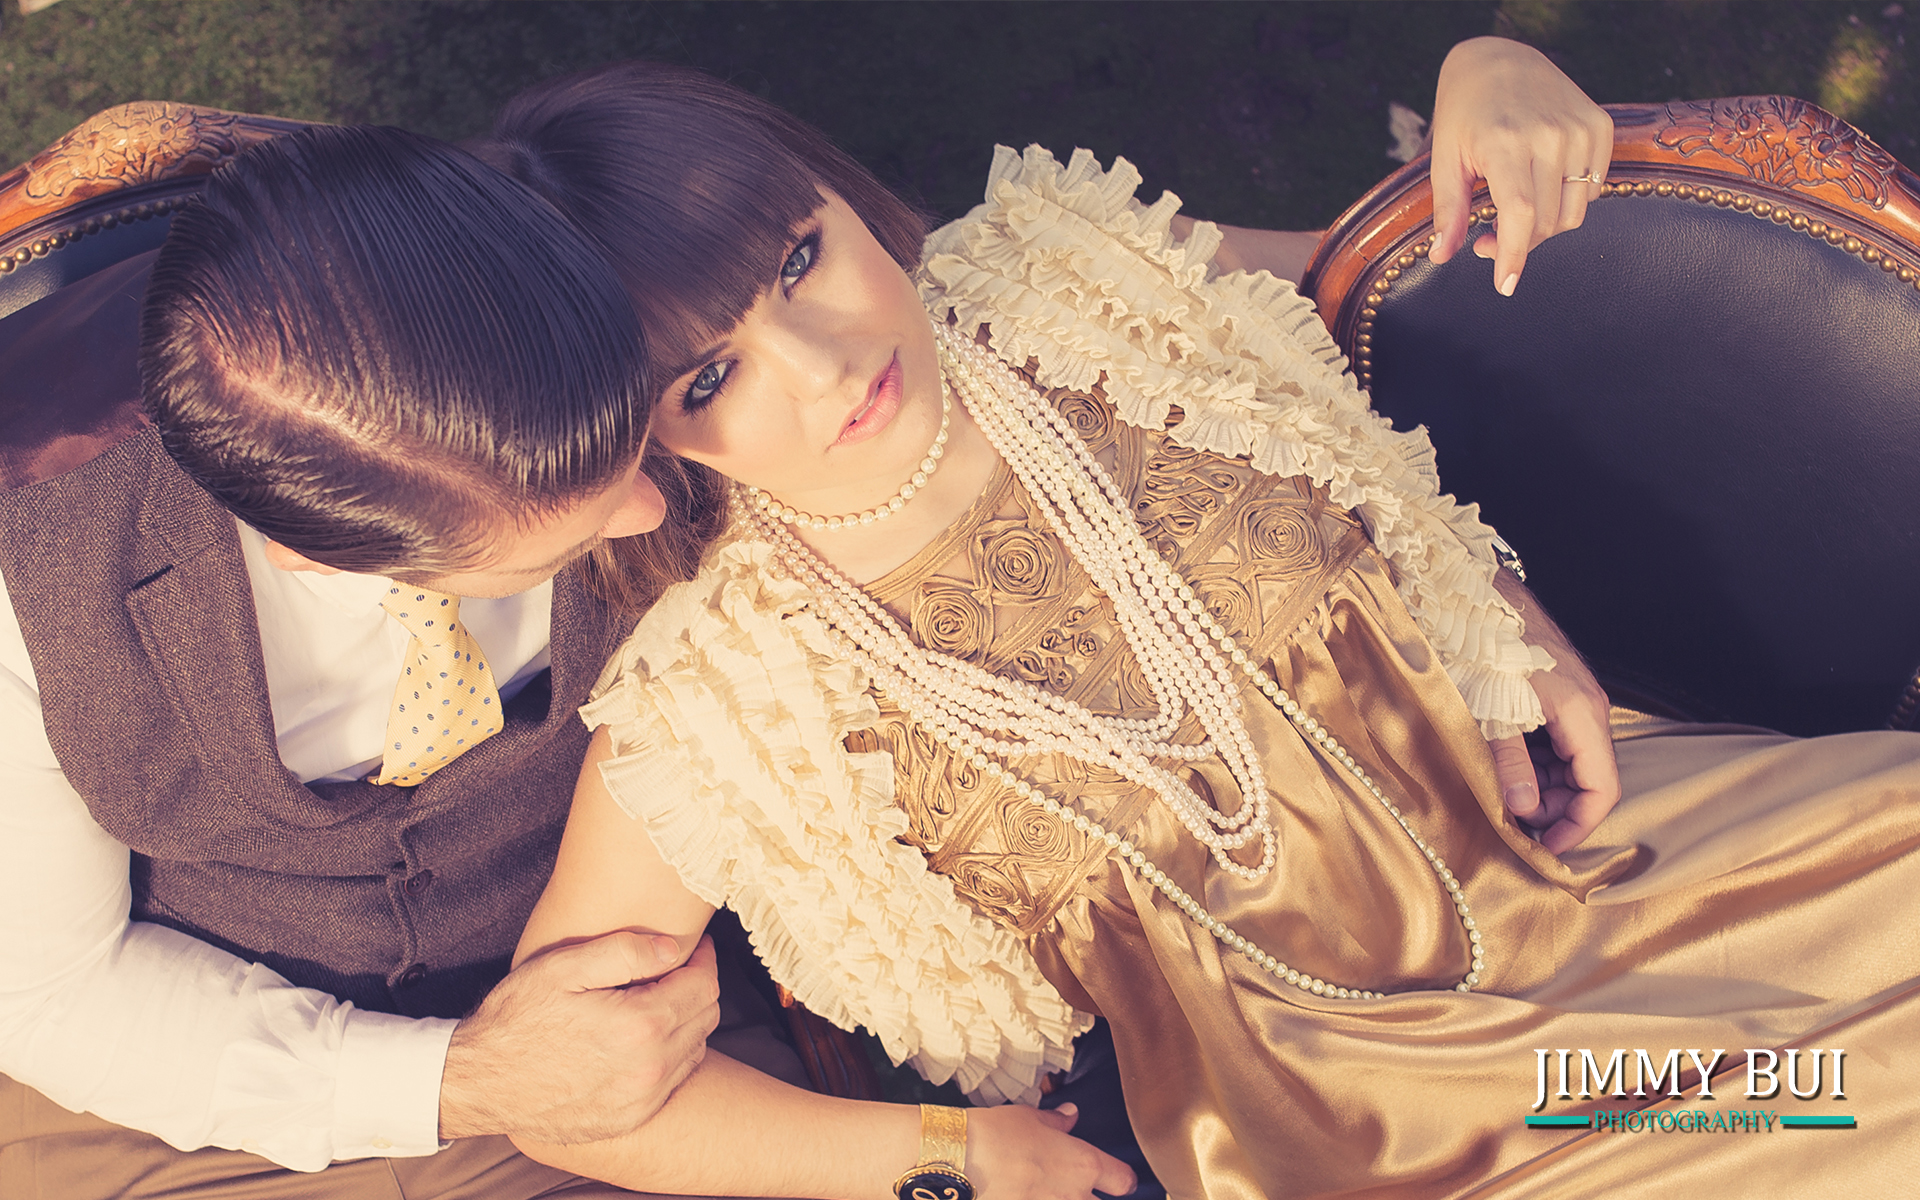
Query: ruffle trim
x,y
1067,269
728,709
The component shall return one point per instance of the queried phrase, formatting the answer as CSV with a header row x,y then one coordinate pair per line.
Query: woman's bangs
x,y
717,246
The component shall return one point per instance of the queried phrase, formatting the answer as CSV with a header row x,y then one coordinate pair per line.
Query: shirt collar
x,y
345,591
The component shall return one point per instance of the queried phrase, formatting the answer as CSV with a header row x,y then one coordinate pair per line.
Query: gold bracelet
x,y
941,1173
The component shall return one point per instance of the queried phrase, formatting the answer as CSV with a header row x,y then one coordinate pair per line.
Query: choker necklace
x,y
786,514
1189,660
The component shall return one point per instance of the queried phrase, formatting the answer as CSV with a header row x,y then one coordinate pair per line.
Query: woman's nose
x,y
820,363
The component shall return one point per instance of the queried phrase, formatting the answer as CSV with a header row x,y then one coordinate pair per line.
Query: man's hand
x,y
1564,794
576,1045
1505,114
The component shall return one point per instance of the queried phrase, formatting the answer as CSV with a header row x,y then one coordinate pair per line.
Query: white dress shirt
x,y
158,1031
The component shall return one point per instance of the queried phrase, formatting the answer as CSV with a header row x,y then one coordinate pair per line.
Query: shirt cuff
x,y
387,1094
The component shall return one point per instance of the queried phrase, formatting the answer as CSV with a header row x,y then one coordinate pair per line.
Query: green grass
x,y
1259,114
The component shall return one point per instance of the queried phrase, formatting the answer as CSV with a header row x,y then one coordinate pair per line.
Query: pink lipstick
x,y
882,405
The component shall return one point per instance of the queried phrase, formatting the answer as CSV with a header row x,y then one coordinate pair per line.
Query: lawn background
x,y
1265,114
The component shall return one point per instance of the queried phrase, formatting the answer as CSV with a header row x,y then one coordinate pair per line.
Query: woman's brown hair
x,y
694,189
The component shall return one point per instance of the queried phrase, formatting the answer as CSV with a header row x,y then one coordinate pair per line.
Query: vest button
x,y
412,975
419,883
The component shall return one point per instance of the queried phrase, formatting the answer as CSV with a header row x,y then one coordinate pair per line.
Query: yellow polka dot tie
x,y
446,701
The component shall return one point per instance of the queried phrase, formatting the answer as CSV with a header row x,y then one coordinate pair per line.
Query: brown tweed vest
x,y
133,599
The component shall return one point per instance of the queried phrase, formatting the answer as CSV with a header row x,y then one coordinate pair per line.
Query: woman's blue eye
x,y
706,385
797,262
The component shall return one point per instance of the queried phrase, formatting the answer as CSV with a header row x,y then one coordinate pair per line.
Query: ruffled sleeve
x,y
728,710
1068,270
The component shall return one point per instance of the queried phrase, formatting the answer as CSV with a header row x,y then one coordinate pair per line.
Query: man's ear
x,y
293,560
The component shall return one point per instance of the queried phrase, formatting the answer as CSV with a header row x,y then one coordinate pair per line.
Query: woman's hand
x,y
1020,1153
1504,114
1560,795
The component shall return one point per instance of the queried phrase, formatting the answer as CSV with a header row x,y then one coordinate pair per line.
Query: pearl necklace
x,y
786,514
1172,635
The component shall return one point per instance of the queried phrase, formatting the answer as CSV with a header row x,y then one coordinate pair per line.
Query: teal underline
x,y
1790,1122
1537,1122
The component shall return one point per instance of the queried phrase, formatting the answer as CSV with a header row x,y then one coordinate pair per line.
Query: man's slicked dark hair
x,y
694,189
377,351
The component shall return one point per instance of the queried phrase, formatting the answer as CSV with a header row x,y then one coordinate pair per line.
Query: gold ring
x,y
1589,177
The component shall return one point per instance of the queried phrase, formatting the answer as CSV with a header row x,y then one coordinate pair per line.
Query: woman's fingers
x,y
1519,782
1505,114
1020,1153
1116,1178
1062,1117
1452,200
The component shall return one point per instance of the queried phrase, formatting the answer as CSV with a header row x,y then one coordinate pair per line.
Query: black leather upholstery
x,y
78,257
1702,433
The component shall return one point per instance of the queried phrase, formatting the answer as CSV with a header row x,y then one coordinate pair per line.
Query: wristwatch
x,y
941,1173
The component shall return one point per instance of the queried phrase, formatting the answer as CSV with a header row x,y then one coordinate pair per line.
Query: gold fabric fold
x,y
1753,891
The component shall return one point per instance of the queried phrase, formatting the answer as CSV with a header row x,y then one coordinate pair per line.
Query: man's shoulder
x,y
71,366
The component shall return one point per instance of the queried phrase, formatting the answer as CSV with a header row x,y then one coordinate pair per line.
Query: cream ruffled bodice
x,y
729,707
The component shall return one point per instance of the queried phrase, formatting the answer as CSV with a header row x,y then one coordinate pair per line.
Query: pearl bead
x,y
1177,643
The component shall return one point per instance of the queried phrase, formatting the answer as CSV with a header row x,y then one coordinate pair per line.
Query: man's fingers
x,y
609,961
1519,787
690,992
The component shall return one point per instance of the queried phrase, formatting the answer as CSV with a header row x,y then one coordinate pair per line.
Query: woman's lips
x,y
883,403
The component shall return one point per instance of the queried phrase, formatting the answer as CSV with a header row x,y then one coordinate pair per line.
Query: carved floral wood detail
x,y
1785,142
124,147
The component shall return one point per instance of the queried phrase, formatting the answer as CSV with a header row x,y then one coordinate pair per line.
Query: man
x,y
395,400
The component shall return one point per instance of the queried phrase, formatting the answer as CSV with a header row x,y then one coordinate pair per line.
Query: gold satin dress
x,y
1751,891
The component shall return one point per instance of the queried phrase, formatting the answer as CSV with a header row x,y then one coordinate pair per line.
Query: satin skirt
x,y
1753,894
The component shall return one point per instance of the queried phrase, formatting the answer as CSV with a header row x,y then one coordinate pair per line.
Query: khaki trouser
x,y
48,1153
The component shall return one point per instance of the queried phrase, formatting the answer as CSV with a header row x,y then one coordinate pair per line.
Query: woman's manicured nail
x,y
1509,283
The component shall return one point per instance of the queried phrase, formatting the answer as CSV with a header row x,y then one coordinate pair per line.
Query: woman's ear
x,y
293,560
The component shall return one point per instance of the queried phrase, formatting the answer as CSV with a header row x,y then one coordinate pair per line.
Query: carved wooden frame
x,y
1775,158
129,163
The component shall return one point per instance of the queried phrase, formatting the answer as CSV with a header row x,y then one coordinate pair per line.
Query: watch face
x,y
933,1183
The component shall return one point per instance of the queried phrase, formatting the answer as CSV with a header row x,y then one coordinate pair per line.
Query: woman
x,y
1064,636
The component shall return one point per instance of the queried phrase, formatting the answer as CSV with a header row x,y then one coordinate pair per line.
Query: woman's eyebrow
x,y
698,358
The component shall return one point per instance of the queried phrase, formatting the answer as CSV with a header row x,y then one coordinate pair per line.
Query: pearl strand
x,y
1172,653
1171,586
949,696
937,690
959,703
786,514
1132,858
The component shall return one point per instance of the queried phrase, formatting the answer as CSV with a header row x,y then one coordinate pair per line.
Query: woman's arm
x,y
730,1130
609,876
